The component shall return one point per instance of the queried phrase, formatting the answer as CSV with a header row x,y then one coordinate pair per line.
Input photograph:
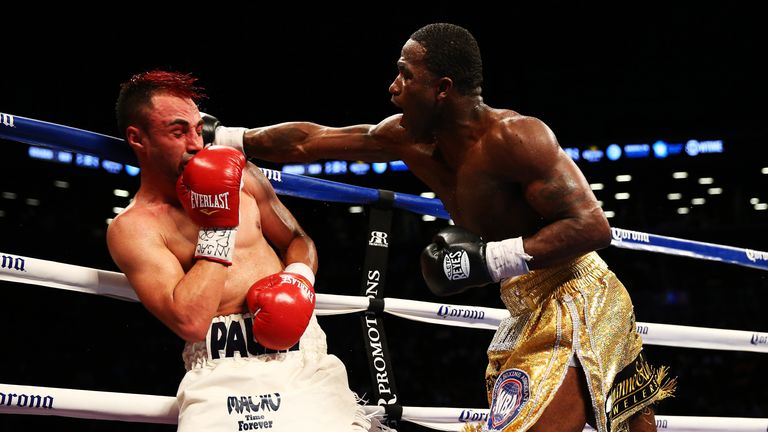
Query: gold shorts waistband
x,y
529,291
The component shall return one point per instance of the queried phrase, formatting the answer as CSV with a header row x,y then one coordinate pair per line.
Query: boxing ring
x,y
33,400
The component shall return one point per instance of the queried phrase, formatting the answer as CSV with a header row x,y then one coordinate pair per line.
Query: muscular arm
x,y
557,190
185,303
577,224
278,224
307,142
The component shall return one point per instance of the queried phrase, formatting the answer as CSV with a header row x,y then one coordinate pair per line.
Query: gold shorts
x,y
579,308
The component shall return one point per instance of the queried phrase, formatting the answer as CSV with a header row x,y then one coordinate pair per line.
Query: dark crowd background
x,y
595,77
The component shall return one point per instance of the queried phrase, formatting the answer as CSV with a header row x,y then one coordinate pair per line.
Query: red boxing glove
x,y
209,190
282,305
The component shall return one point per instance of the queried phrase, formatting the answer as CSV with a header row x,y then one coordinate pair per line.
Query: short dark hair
x,y
136,93
452,51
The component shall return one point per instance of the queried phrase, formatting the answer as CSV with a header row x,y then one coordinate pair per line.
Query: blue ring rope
x,y
42,133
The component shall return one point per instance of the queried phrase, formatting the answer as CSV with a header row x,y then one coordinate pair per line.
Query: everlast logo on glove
x,y
209,191
219,201
306,291
456,265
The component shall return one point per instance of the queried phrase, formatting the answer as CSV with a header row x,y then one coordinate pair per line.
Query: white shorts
x,y
234,384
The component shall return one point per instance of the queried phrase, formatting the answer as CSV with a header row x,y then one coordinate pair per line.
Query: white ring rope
x,y
96,405
14,268
87,404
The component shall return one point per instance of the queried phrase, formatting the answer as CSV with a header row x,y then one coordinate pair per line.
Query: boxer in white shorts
x,y
206,240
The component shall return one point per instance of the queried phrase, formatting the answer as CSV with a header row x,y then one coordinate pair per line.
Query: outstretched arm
x,y
307,142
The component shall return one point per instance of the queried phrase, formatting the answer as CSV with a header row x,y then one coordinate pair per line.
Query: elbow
x,y
595,232
307,248
604,241
192,331
600,231
312,254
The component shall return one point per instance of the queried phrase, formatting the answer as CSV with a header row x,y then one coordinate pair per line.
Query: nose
x,y
194,142
395,87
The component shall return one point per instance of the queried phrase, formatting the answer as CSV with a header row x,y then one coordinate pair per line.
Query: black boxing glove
x,y
457,260
216,134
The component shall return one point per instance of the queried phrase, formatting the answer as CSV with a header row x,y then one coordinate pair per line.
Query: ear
x,y
134,136
444,85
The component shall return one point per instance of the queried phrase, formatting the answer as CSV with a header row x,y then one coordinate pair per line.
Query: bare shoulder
x,y
136,225
256,181
520,141
129,221
526,131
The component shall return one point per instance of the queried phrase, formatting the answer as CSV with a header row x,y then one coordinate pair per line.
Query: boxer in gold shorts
x,y
521,207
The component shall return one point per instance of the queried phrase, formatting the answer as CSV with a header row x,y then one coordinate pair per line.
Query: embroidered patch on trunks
x,y
510,394
636,386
